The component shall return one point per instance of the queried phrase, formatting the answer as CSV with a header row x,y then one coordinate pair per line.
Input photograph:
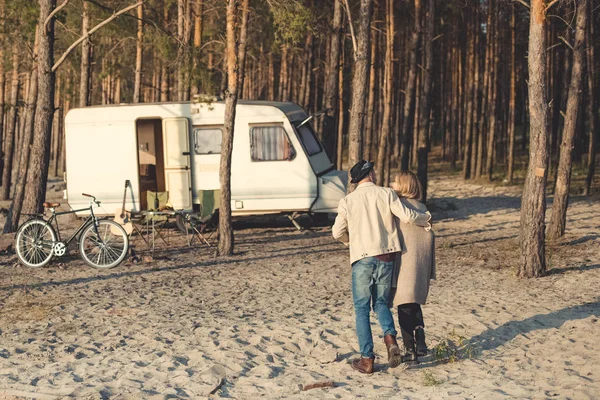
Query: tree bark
x,y
591,108
226,240
11,123
425,103
388,79
14,212
35,191
370,117
242,43
359,83
137,87
331,90
533,203
558,221
2,82
341,108
512,98
409,92
84,83
470,95
492,90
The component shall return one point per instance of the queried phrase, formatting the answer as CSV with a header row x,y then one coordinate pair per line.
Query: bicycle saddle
x,y
51,205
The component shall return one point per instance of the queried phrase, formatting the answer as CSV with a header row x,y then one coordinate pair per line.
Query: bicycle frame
x,y
90,218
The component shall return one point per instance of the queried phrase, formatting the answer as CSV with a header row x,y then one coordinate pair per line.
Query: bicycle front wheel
x,y
103,244
34,242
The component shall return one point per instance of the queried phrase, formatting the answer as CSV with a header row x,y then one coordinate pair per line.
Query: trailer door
x,y
176,144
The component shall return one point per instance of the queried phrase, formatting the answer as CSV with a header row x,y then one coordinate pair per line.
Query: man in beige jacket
x,y
365,222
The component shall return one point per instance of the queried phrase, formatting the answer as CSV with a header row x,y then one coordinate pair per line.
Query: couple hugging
x,y
392,255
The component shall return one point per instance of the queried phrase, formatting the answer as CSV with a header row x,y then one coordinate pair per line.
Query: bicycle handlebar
x,y
93,198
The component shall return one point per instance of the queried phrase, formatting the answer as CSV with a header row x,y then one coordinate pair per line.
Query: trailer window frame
x,y
292,150
196,129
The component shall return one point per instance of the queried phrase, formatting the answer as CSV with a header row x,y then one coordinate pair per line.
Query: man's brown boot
x,y
363,365
394,354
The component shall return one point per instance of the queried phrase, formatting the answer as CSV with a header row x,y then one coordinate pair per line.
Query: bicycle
x,y
102,243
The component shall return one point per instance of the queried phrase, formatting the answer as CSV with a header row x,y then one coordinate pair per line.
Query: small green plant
x,y
430,379
455,347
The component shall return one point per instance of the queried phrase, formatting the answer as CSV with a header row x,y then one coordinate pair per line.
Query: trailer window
x,y
270,143
208,140
309,140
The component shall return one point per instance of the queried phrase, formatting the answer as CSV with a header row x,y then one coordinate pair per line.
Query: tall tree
x,y
14,212
388,83
533,203
2,79
84,82
226,239
242,44
563,182
137,87
360,80
11,126
425,102
512,98
35,191
591,109
409,92
330,94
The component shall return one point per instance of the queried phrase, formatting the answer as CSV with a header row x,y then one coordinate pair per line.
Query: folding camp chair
x,y
199,224
157,202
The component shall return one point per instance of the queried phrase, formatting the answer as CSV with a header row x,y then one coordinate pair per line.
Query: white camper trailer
x,y
278,164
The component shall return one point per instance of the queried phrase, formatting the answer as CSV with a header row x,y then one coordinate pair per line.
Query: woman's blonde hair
x,y
406,184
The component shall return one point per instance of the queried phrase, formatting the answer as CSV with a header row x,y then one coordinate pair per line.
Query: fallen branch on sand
x,y
316,385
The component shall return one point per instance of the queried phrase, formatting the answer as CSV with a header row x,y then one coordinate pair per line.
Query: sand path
x,y
279,314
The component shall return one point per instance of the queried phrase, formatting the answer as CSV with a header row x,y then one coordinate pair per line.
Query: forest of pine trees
x,y
507,90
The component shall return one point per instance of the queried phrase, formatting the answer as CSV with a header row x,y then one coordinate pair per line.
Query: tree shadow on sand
x,y
496,337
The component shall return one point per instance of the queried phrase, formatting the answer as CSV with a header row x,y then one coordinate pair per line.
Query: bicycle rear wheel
x,y
34,242
104,244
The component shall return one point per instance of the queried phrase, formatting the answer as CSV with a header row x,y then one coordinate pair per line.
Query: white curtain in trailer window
x,y
208,140
269,143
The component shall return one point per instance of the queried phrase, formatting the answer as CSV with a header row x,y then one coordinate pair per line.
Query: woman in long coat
x,y
415,268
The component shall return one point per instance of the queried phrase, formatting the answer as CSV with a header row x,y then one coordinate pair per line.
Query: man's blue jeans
x,y
371,279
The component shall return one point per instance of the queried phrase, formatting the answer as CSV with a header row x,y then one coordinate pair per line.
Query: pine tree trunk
x,y
283,96
198,29
2,81
512,98
14,212
225,229
409,93
84,83
164,82
369,124
388,79
533,203
11,126
35,191
56,128
591,108
469,94
492,91
271,79
331,89
242,43
180,49
556,229
359,82
425,106
341,108
137,87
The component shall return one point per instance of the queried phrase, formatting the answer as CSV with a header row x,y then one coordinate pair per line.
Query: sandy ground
x,y
279,314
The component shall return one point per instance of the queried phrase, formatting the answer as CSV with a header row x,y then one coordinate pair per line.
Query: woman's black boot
x,y
420,339
410,351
